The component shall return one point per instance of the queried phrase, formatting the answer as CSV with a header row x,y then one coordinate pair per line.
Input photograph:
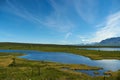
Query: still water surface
x,y
69,58
104,49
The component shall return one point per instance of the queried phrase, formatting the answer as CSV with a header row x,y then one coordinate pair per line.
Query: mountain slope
x,y
115,41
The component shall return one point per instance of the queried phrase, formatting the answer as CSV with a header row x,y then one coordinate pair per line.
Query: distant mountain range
x,y
115,41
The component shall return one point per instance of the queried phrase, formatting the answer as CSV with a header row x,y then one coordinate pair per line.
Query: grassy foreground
x,y
13,68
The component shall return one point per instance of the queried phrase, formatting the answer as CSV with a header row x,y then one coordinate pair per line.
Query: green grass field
x,y
13,68
21,69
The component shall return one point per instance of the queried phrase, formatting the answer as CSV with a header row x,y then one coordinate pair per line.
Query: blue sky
x,y
59,21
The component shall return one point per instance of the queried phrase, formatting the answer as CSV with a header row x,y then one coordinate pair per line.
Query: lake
x,y
103,49
69,58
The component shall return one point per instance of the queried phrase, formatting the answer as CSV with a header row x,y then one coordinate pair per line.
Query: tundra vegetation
x,y
14,68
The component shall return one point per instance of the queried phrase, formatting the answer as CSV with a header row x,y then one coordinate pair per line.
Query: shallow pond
x,y
69,58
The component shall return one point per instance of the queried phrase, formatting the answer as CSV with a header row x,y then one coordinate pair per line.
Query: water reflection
x,y
109,64
66,58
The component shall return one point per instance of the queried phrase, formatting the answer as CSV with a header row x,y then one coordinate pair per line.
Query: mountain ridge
x,y
115,41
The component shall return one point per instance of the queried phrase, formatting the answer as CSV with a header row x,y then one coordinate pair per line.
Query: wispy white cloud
x,y
59,24
56,20
71,38
19,10
87,10
67,38
110,28
68,35
82,39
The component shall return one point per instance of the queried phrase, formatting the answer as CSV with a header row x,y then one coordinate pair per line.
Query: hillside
x,y
115,41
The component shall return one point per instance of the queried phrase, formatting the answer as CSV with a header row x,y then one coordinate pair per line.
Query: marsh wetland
x,y
67,59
